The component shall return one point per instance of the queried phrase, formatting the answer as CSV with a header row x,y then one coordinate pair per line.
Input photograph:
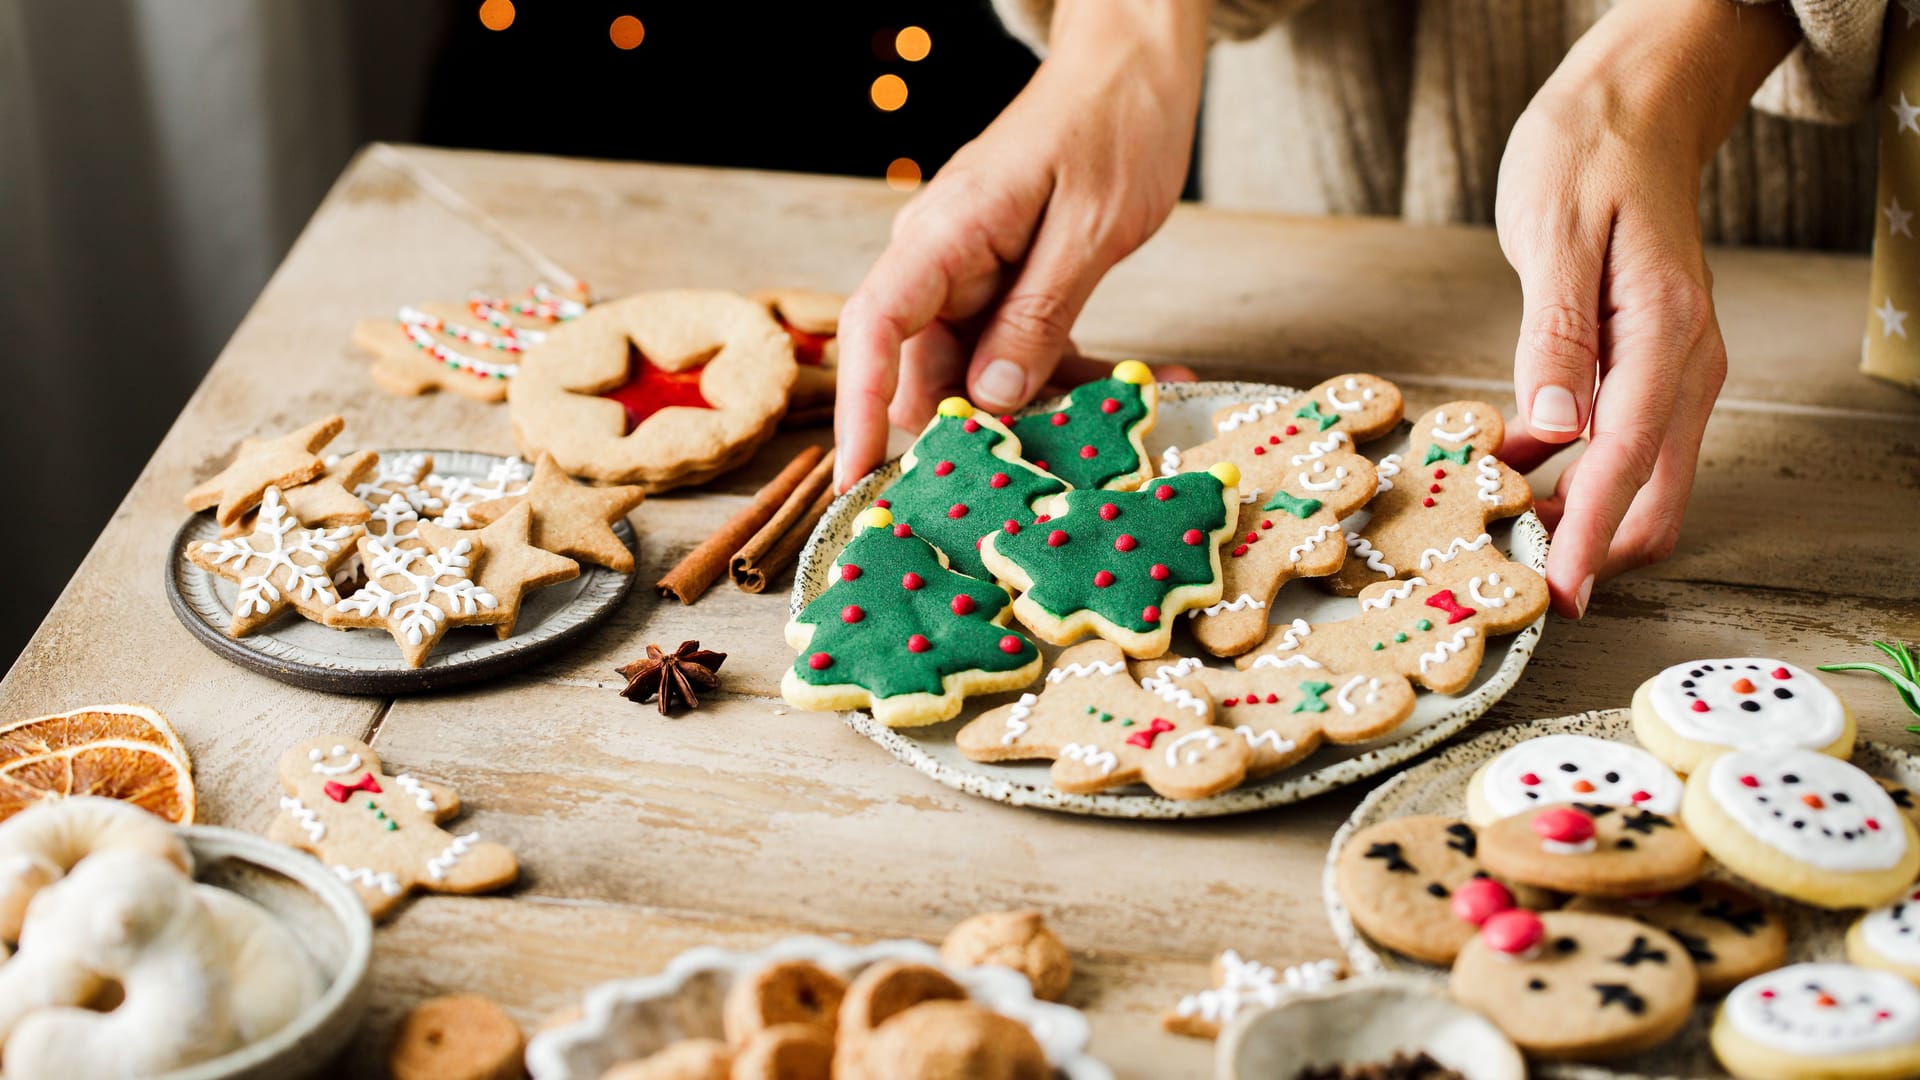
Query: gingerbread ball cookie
x,y
876,995
1833,1021
786,1052
812,320
952,1040
1888,937
1020,940
660,389
688,1059
789,992
1570,768
1593,850
1399,878
457,1037
1730,935
1804,825
1693,711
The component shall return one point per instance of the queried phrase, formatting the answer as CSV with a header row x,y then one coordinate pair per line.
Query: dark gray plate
x,y
315,657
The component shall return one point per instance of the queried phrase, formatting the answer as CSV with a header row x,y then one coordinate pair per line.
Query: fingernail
x,y
1001,385
1554,410
1586,591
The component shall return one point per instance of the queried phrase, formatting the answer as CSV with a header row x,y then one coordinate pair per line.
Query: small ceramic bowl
x,y
1361,1021
632,1018
327,919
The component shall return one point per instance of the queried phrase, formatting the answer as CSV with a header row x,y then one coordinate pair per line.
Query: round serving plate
x,y
1186,411
309,655
1439,786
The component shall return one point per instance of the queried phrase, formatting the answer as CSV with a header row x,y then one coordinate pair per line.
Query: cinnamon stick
x,y
762,558
703,564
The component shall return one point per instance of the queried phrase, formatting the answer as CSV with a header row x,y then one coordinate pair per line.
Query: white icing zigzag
x,y
442,864
1363,548
1081,671
1446,648
1321,449
1394,595
1238,603
1170,461
1271,738
1272,661
1161,683
1454,550
1251,413
422,798
384,881
1291,639
1091,756
1251,496
302,813
1017,719
1489,479
1249,983
1386,470
1304,546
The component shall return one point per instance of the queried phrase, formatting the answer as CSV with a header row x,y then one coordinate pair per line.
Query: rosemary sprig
x,y
1905,680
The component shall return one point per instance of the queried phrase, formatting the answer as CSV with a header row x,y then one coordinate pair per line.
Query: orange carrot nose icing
x,y
1582,786
1814,801
1825,1000
1742,686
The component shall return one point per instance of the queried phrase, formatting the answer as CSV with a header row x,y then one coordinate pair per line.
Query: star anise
x,y
670,675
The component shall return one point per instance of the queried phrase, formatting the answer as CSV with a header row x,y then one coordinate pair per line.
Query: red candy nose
x,y
1479,899
1512,931
1563,825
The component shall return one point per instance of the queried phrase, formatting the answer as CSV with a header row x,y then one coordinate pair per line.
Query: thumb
x,y
1028,330
1557,360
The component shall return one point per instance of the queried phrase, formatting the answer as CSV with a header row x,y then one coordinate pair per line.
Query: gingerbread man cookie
x,y
1262,437
1094,439
380,833
1448,486
1240,983
1103,730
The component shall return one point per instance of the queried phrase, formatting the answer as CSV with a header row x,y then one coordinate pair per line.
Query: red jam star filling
x,y
809,350
650,388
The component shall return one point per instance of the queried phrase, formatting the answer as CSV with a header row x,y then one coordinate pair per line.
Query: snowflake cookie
x,y
280,564
1240,983
417,593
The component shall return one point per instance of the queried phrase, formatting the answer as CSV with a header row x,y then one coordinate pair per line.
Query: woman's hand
x,y
1597,212
991,263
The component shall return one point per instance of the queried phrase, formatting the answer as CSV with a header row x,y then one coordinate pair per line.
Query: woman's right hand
x,y
991,262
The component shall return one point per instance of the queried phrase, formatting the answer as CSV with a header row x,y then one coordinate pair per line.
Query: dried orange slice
x,y
140,773
87,724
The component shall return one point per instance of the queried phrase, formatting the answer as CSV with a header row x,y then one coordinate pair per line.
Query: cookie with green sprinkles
x,y
1095,439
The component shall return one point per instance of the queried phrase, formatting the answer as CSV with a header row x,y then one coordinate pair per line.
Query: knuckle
x,y
1036,316
1638,453
1685,303
1562,335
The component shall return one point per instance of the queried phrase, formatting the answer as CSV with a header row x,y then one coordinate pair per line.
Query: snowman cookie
x,y
1820,1020
1729,934
1593,850
1402,881
1804,825
1888,937
1693,711
1570,768
1571,986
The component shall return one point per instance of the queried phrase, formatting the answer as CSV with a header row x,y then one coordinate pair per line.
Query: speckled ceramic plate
x,y
308,655
1186,411
632,1018
1439,786
1365,1021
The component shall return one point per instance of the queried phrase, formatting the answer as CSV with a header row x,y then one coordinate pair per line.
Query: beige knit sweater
x,y
1403,107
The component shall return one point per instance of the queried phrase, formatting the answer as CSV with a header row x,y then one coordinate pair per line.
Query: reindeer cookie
x,y
1447,486
1104,730
1399,878
380,833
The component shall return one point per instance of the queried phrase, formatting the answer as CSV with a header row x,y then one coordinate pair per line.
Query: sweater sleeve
x,y
1232,20
1828,77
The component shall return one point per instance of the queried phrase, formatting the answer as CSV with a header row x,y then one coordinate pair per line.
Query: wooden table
x,y
640,837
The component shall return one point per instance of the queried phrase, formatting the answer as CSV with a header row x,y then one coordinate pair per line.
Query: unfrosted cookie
x,y
1570,768
457,1037
951,1040
1888,937
1690,712
881,992
1119,564
899,633
1831,1021
788,992
785,1052
1398,880
1804,825
1730,935
575,520
688,1059
1572,986
1093,440
259,464
1593,850
1020,940
811,319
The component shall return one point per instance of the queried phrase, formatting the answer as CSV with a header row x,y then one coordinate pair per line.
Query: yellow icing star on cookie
x,y
262,463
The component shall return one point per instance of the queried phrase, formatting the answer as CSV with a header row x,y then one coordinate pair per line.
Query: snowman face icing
x,y
1893,930
1826,1009
1749,703
1578,768
1814,808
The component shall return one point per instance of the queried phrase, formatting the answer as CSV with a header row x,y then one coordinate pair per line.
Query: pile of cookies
x,y
1594,890
1058,519
382,541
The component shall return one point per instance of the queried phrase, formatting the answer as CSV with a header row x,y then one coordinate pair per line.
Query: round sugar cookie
x,y
1397,880
1691,712
1566,769
1888,937
1803,824
1591,850
1727,932
1833,1021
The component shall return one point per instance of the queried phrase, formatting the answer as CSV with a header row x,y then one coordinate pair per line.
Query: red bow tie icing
x,y
338,792
1146,735
1445,602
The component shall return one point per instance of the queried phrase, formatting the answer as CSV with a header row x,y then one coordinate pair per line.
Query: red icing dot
x,y
970,426
1059,419
1043,519
1512,931
1873,824
1231,702
1239,551
819,661
1266,523
1056,537
1766,995
1125,542
1563,825
1102,579
918,643
1476,900
1159,572
1010,644
1530,779
1110,406
1252,536
962,604
1273,440
1011,528
1259,449
1273,699
1782,673
1006,418
1108,511
903,530
1150,614
1435,488
1089,452
1038,464
957,511
1163,492
943,468
1699,706
1439,474
1293,429
849,572
852,613
999,480
1428,501
1750,781
1194,536
911,581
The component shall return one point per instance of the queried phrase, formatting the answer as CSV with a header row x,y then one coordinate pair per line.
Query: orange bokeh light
x,y
903,174
913,44
496,14
627,32
889,92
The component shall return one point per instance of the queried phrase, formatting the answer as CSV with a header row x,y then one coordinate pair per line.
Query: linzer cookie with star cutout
x,y
1593,850
1448,486
660,389
1570,768
1730,935
1417,886
1804,825
1693,711
1832,1021
812,320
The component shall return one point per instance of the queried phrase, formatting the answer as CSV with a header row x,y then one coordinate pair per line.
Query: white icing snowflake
x,y
290,543
505,480
1245,983
396,517
412,599
401,475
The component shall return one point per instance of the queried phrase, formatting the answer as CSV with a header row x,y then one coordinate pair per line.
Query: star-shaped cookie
x,y
571,519
417,593
514,566
263,463
327,500
277,566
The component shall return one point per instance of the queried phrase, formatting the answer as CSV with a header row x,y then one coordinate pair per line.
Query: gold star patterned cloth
x,y
1891,348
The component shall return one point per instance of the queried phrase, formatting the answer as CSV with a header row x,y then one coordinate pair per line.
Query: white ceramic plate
x,y
632,1018
1439,786
1186,411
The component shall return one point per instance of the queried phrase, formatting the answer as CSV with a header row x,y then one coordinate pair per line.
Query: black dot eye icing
x,y
1789,778
1568,766
1841,796
1613,778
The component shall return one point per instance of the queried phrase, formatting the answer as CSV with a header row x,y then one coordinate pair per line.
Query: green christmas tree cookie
x,y
1094,440
898,632
1120,564
962,479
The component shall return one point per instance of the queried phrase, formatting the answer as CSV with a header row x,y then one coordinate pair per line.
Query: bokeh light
x,y
913,44
903,174
627,32
889,92
496,14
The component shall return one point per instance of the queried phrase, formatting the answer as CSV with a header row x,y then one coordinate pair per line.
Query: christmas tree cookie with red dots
x,y
1103,730
472,349
1448,486
898,632
1095,439
962,479
1119,564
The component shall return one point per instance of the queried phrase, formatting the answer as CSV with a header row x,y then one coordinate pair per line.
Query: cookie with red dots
x,y
899,633
1570,768
964,478
1803,824
1728,933
1572,986
1831,1021
1095,438
1693,711
1104,730
473,349
1592,850
1402,880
